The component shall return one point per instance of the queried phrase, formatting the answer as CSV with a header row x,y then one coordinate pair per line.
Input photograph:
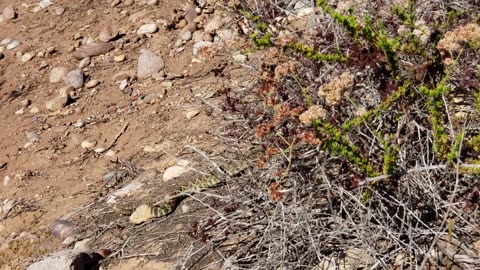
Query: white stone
x,y
174,172
57,74
13,44
149,63
147,29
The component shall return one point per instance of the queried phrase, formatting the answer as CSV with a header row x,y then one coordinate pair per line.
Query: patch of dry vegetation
x,y
369,144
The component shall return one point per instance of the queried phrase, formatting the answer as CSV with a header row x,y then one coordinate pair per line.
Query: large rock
x,y
75,259
9,13
92,49
149,63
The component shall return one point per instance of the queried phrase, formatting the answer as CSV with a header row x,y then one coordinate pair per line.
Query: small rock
x,y
51,49
119,58
192,113
152,2
214,25
123,84
79,124
34,110
115,3
186,36
92,49
120,76
147,29
185,208
32,137
126,191
238,57
74,78
150,99
57,103
77,138
149,63
27,57
57,74
174,172
84,62
59,10
108,32
45,4
14,44
92,83
200,45
5,41
62,229
9,13
25,103
178,43
129,2
115,175
88,144
141,214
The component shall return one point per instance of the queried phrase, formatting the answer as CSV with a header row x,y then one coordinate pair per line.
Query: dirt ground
x,y
53,176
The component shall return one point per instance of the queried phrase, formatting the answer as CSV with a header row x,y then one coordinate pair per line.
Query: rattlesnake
x,y
145,212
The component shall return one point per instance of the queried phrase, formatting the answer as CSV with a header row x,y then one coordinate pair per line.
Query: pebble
x,y
45,4
192,113
200,45
51,49
9,13
62,229
92,83
148,64
88,144
214,25
152,2
32,136
34,110
5,41
74,78
114,175
92,49
77,138
186,36
129,2
59,10
108,32
150,99
27,57
141,214
174,172
185,208
115,3
119,58
147,29
123,84
57,74
84,62
13,44
56,103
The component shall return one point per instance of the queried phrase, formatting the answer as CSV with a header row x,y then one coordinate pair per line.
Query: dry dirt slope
x,y
50,159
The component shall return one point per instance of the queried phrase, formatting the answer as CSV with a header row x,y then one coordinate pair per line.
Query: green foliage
x,y
453,154
390,155
341,146
406,15
348,21
263,41
435,108
316,56
389,46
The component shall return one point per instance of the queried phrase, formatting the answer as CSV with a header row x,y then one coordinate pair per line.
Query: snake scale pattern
x,y
146,212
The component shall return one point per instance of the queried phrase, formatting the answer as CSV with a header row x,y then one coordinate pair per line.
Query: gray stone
x,y
92,49
149,63
74,78
5,41
186,36
27,57
59,10
74,259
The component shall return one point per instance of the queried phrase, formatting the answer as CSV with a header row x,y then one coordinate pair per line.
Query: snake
x,y
145,212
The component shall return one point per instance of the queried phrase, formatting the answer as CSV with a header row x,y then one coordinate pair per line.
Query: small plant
x,y
311,53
